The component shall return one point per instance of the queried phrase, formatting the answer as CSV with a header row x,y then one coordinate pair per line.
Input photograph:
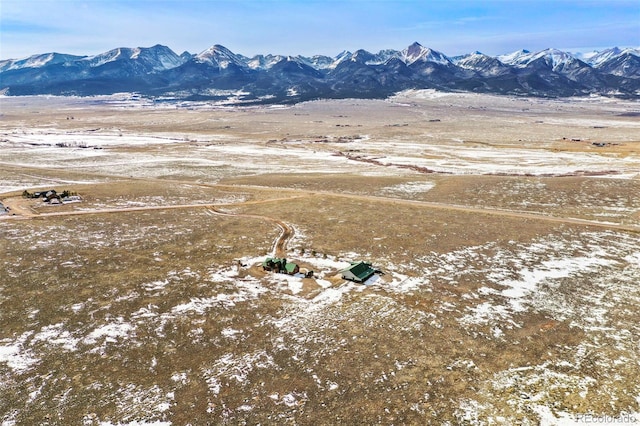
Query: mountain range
x,y
218,74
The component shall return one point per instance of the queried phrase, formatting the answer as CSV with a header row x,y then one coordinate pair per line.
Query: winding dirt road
x,y
279,248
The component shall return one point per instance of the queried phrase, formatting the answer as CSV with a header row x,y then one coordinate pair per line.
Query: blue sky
x,y
311,27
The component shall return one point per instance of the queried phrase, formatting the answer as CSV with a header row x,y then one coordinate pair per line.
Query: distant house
x,y
275,264
51,197
44,194
358,272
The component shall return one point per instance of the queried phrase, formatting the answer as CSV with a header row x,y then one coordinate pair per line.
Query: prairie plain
x,y
506,230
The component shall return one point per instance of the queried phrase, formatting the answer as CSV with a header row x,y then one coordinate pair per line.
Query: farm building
x,y
358,272
280,265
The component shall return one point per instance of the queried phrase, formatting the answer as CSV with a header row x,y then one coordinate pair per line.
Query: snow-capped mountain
x,y
263,62
319,62
386,55
625,64
155,58
37,61
557,60
486,65
345,55
599,58
158,71
519,58
292,68
553,58
418,53
220,56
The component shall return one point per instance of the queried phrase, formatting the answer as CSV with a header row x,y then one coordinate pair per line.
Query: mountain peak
x,y
418,53
38,61
220,56
517,58
598,58
415,50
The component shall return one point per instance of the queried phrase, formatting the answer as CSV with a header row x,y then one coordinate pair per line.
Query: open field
x,y
507,230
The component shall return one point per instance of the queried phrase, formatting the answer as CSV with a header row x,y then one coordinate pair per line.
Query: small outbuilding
x,y
358,272
291,268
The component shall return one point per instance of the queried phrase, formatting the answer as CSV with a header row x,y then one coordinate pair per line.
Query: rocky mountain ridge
x,y
219,74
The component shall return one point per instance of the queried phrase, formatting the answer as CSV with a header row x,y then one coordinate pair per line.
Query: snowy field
x,y
519,145
508,245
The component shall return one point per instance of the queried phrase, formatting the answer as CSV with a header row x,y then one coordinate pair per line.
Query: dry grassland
x,y
511,260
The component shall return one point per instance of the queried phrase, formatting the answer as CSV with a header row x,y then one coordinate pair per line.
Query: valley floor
x,y
506,230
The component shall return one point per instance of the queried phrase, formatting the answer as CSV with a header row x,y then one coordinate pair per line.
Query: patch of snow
x,y
16,355
372,280
156,285
236,368
245,408
110,332
290,400
547,417
331,295
180,378
56,335
200,305
230,332
409,188
422,94
485,313
15,358
549,270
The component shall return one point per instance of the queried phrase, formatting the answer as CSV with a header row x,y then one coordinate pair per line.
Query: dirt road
x,y
457,207
24,212
279,248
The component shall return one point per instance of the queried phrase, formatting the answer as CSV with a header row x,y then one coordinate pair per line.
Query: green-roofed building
x,y
273,264
276,264
291,268
358,272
